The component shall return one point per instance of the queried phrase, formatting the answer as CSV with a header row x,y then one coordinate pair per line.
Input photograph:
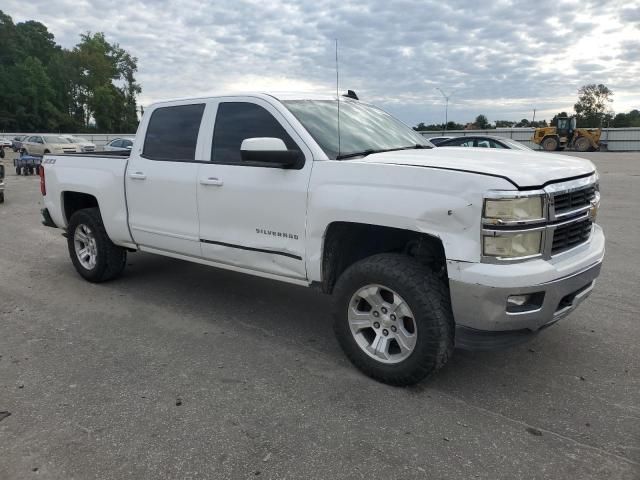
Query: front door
x,y
161,181
252,215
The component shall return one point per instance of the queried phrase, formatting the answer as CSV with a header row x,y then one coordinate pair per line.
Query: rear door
x,y
252,215
161,180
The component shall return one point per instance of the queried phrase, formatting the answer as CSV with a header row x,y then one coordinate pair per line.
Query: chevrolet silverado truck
x,y
423,249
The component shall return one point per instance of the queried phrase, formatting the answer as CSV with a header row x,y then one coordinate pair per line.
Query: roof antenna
x,y
338,96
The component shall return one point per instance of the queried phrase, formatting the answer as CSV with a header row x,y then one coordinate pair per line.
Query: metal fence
x,y
100,139
612,139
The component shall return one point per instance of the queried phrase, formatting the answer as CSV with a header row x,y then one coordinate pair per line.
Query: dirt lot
x,y
181,371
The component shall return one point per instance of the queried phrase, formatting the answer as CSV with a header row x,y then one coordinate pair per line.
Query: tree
x,y
523,123
482,122
593,104
46,87
504,123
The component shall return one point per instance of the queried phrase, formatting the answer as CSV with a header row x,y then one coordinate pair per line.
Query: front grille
x,y
568,201
570,235
69,150
88,149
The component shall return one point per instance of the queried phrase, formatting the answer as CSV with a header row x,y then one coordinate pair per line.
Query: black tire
x,y
427,296
582,144
550,144
17,170
1,197
110,259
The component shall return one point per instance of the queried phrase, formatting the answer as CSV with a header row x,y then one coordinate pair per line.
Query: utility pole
x,y
534,116
446,108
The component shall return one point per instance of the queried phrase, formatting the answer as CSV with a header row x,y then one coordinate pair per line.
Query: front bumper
x,y
479,294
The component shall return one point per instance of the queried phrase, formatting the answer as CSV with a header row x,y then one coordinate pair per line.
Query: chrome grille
x,y
573,200
570,235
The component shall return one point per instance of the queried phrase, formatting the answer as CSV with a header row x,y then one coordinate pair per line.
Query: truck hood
x,y
523,169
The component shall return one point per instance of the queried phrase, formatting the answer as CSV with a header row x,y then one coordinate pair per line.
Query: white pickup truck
x,y
423,248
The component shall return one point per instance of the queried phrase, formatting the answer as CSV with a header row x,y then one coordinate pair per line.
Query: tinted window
x,y
172,133
127,143
116,143
237,121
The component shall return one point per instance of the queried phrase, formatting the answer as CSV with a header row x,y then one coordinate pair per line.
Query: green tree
x,y
46,87
504,123
481,122
593,104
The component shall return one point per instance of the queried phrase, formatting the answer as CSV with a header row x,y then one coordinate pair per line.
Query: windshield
x,y
362,127
77,140
55,139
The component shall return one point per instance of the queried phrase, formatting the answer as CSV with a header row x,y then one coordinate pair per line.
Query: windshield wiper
x,y
369,151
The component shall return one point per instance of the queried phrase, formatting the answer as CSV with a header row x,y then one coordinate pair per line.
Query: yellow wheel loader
x,y
566,135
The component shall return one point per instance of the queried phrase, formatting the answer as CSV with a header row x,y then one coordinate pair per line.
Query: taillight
x,y
43,186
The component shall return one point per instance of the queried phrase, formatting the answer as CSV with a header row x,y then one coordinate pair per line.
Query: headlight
x,y
502,210
513,245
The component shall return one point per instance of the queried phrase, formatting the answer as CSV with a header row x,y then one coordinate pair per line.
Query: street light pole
x,y
446,108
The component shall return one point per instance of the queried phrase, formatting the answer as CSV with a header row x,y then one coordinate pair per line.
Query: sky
x,y
500,58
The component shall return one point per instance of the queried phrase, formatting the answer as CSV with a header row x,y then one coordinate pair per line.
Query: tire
x,y
17,170
427,324
103,261
582,144
1,197
550,144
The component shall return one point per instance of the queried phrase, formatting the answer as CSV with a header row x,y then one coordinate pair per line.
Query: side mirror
x,y
269,150
128,147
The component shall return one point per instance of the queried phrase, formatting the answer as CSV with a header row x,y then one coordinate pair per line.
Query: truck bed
x,y
94,178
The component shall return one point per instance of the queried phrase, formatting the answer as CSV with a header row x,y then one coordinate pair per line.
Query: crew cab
x,y
423,249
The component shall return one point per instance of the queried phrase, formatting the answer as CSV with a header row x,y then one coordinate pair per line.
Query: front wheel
x,y
393,318
95,257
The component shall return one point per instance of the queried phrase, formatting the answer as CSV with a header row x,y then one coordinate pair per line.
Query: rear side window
x,y
172,133
237,121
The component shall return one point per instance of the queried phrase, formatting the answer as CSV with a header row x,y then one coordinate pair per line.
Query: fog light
x,y
527,302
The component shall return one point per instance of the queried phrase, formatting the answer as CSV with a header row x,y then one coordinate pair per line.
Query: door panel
x,y
254,216
161,180
163,211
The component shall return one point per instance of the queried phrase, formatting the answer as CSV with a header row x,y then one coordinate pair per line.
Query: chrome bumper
x,y
483,308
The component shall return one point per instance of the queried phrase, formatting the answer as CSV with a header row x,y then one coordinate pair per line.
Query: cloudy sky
x,y
502,58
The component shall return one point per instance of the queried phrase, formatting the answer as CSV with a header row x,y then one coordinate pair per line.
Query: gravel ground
x,y
185,372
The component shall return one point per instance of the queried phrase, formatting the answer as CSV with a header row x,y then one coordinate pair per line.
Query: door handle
x,y
216,182
137,176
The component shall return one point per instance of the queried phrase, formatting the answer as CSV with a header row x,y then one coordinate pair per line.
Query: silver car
x,y
119,145
83,143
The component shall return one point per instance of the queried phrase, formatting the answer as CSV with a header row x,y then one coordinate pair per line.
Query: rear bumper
x,y
480,305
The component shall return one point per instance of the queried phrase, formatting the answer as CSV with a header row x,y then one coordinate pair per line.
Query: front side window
x,y
116,143
362,127
237,121
172,133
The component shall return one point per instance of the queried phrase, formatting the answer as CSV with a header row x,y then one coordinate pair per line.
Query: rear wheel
x,y
94,255
393,318
582,144
1,197
550,144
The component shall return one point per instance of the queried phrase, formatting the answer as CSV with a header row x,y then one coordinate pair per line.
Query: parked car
x,y
42,144
85,145
483,141
119,145
438,140
5,142
422,248
16,143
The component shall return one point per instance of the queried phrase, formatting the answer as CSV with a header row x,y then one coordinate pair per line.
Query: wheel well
x,y
74,201
346,243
